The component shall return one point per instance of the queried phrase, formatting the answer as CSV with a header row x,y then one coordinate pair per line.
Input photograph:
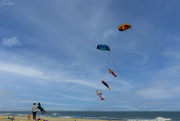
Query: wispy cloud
x,y
81,82
108,33
10,41
158,92
163,84
6,3
43,102
23,70
173,54
171,71
77,98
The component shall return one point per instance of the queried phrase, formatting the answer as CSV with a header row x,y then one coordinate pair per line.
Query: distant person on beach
x,y
11,118
41,109
34,110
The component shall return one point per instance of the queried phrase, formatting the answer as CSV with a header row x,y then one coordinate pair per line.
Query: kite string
x,y
150,43
113,62
132,30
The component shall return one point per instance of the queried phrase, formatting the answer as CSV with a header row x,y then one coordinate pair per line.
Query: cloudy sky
x,y
48,54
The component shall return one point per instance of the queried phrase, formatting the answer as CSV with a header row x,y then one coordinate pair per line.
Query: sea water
x,y
105,115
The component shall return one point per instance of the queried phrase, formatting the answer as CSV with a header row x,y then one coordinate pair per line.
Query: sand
x,y
21,118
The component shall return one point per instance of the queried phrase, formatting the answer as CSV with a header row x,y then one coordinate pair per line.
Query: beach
x,y
23,118
93,116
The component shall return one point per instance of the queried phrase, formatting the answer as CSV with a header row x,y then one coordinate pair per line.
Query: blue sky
x,y
48,54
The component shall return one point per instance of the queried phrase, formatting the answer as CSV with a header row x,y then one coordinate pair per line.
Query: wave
x,y
21,115
120,116
66,117
6,114
55,114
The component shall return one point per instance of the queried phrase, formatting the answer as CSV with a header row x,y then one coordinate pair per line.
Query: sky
x,y
48,54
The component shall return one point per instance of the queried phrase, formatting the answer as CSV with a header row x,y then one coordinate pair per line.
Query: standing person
x,y
34,110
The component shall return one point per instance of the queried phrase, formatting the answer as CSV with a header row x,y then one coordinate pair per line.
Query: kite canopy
x,y
103,47
124,27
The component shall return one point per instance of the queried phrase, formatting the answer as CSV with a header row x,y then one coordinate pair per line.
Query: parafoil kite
x,y
127,26
112,72
103,47
124,27
106,84
99,94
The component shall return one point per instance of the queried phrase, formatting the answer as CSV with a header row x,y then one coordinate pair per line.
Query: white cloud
x,y
47,103
172,71
108,33
77,98
18,69
158,92
10,41
82,82
173,54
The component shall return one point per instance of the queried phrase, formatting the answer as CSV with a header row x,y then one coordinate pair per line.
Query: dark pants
x,y
34,115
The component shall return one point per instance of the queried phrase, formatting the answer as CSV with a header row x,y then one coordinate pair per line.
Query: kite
x,y
112,72
106,84
29,116
41,119
124,27
99,94
103,47
127,26
40,108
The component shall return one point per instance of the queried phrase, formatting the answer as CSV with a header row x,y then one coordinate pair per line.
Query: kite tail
x,y
150,43
109,88
115,64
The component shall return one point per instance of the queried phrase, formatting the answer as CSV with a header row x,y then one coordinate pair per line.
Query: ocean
x,y
105,115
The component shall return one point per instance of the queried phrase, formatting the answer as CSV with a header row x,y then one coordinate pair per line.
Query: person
x,y
11,118
34,110
41,109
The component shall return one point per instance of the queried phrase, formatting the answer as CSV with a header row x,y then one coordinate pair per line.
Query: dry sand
x,y
20,118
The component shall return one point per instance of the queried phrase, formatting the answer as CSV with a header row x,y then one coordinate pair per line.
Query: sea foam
x,y
156,119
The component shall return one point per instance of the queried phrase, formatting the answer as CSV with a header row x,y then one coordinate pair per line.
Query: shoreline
x,y
24,118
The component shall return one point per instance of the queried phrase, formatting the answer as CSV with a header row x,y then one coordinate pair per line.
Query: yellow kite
x,y
124,27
